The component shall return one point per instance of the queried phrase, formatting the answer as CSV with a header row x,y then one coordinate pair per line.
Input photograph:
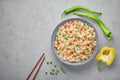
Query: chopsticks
x,y
40,61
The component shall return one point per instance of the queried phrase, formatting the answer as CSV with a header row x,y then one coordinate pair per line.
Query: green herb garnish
x,y
91,43
66,31
46,73
85,36
55,66
50,62
62,70
78,38
87,49
84,26
57,71
47,62
51,73
92,34
53,70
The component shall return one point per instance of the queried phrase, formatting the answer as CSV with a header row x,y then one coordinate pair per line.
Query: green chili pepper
x,y
74,8
106,31
100,66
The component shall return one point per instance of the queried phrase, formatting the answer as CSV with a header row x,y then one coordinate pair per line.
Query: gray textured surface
x,y
25,32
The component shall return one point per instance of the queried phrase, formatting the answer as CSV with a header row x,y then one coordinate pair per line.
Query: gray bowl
x,y
53,38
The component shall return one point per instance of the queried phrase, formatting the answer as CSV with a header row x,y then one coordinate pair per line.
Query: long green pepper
x,y
74,8
106,31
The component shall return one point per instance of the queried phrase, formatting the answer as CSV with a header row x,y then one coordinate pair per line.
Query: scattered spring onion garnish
x,y
46,73
55,70
47,62
55,66
62,70
50,62
51,73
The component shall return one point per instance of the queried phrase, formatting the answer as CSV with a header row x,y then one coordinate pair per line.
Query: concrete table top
x,y
26,27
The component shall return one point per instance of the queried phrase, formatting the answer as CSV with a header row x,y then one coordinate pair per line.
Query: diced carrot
x,y
92,47
83,40
58,42
70,22
70,31
65,26
83,52
67,53
74,56
91,52
88,44
89,31
81,29
80,56
88,38
73,23
75,40
88,34
79,24
66,47
71,53
87,56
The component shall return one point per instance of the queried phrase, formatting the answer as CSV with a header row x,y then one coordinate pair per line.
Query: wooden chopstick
x,y
36,66
38,69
